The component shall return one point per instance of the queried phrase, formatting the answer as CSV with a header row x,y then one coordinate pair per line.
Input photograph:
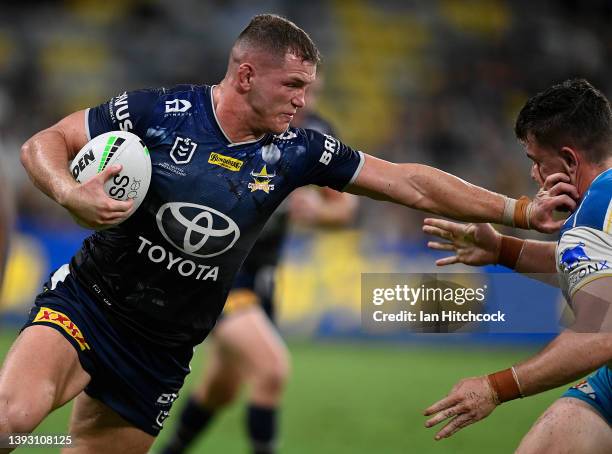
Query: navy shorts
x,y
252,287
595,391
137,379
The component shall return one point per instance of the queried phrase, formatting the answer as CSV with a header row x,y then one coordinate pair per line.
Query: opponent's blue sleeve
x,y
330,162
129,111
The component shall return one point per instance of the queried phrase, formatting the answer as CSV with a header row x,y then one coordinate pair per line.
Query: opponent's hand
x,y
90,205
473,244
556,194
470,400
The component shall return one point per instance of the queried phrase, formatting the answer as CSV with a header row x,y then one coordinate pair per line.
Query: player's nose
x,y
299,100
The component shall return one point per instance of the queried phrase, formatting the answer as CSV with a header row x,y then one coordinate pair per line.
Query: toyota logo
x,y
196,229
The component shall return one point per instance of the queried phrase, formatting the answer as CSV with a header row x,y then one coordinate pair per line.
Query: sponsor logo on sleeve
x,y
46,315
330,148
225,161
571,257
119,112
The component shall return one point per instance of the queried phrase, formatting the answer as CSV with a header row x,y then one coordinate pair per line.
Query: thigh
x,y
40,373
568,426
96,428
250,338
222,377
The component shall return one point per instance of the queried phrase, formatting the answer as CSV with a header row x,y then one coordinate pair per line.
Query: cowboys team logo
x,y
262,181
182,150
197,229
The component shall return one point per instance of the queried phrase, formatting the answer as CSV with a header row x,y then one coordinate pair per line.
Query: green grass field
x,y
363,398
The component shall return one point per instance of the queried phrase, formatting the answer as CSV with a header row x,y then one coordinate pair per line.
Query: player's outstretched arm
x,y
432,190
564,360
481,244
46,156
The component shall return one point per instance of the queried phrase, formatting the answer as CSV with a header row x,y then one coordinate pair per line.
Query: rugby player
x,y
244,346
116,327
567,130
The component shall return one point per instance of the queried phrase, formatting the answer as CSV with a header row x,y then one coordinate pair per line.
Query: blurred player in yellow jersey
x,y
5,228
245,347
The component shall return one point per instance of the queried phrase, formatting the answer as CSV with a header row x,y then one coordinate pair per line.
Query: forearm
x,y
45,158
428,189
567,358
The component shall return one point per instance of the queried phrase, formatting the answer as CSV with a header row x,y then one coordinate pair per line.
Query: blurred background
x,y
436,82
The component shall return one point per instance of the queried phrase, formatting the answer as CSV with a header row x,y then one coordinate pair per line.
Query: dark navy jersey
x,y
165,272
267,249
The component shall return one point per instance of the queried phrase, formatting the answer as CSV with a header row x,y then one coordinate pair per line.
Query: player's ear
x,y
571,160
245,75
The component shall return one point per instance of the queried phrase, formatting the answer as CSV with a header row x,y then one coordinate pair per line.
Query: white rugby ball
x,y
116,147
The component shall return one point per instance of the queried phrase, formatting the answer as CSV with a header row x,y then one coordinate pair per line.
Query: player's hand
x,y
473,244
556,194
90,205
470,400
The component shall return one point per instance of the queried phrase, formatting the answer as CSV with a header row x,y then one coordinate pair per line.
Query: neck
x,y
586,177
232,114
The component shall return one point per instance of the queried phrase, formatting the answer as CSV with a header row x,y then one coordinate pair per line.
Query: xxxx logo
x,y
46,315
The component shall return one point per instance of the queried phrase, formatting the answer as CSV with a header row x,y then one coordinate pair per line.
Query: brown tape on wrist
x,y
504,385
510,251
521,219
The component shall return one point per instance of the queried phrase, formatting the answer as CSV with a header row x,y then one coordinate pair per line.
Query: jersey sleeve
x,y
583,255
330,162
129,111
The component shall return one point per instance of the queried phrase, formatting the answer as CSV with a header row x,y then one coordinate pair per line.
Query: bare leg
x,y
568,426
96,428
41,372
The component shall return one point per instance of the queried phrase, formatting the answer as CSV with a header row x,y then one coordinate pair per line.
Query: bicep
x,y
377,179
73,130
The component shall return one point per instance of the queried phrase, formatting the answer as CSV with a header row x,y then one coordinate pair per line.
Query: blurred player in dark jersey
x,y
244,346
116,327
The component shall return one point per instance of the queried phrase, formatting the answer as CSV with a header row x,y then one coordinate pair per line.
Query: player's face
x,y
279,90
545,162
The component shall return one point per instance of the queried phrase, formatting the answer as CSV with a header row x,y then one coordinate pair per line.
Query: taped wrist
x,y
517,212
505,385
510,251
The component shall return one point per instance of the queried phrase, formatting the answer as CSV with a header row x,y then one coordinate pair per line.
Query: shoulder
x,y
595,210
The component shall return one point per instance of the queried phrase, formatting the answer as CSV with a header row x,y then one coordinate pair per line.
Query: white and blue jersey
x,y
164,274
584,253
584,250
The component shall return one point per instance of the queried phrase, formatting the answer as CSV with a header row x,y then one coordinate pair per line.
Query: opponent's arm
x,y
46,156
481,244
432,190
571,355
323,207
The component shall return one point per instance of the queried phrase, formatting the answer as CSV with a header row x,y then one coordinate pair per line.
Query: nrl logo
x,y
262,181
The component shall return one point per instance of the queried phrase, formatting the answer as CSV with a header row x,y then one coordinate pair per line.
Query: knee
x,y
273,374
217,394
17,416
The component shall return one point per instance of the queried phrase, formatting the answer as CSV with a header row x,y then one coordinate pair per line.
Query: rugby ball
x,y
116,147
